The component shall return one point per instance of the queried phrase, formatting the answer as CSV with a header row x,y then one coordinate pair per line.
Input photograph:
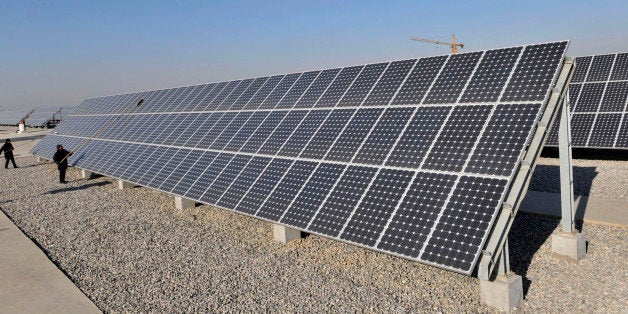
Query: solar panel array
x,y
37,117
12,117
411,157
598,96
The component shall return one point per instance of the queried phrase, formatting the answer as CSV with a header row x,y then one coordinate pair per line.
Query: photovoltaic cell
x,y
370,216
453,145
580,128
354,133
243,182
533,72
417,214
224,180
590,96
303,133
418,136
309,200
339,86
287,189
327,133
263,131
389,83
299,87
620,70
457,237
615,97
499,147
491,75
264,185
408,157
604,130
279,91
383,136
263,92
362,85
318,87
341,202
452,78
581,69
600,68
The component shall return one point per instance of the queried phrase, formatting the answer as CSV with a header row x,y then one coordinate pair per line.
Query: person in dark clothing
x,y
61,159
7,149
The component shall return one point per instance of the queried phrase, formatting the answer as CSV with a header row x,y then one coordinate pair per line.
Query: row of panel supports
x,y
504,290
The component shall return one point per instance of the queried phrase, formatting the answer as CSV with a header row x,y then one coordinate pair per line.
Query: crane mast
x,y
453,45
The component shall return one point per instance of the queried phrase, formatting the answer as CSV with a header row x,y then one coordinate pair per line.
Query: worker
x,y
7,149
61,159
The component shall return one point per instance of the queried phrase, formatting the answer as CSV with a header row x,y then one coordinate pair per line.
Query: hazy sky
x,y
60,52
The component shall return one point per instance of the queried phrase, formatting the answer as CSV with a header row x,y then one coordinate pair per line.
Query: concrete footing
x,y
572,246
284,234
183,203
86,174
504,293
124,185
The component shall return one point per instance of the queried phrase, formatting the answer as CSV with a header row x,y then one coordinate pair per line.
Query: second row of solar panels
x,y
464,78
598,97
365,136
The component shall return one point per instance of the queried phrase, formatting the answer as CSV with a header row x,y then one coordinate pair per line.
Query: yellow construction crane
x,y
454,46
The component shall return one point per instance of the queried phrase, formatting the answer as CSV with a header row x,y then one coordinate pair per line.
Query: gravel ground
x,y
131,251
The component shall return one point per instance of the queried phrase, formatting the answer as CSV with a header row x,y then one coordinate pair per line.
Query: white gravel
x,y
131,251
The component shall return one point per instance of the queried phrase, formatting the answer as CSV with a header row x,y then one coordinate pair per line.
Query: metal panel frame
x,y
498,236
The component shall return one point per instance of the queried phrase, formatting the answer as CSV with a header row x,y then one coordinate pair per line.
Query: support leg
x,y
284,234
183,203
122,185
86,174
505,291
568,243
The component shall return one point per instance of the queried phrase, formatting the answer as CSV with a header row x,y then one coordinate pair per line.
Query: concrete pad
x,y
570,246
594,210
284,234
183,203
86,174
30,282
122,185
504,293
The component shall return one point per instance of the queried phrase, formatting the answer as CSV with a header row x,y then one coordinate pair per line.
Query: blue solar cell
x,y
376,207
264,185
339,86
312,196
286,190
383,136
362,85
354,133
224,180
243,182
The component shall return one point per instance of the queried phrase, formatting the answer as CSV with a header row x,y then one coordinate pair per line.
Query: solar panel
x,y
411,157
598,95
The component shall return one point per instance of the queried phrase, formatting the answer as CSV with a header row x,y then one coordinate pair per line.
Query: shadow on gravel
x,y
527,235
546,178
588,153
35,165
80,187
